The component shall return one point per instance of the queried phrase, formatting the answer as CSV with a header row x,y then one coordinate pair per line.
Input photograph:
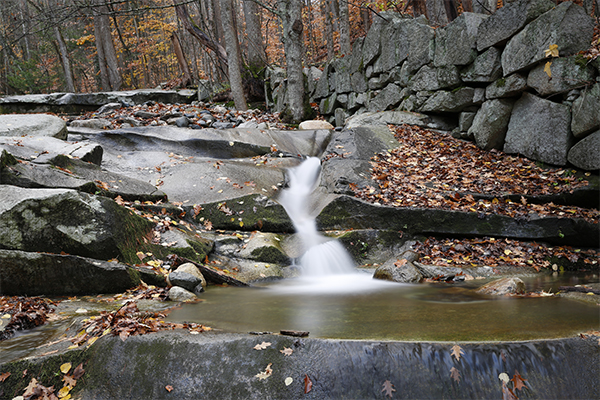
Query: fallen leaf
x,y
78,372
507,393
504,377
551,51
169,388
457,351
518,381
388,388
141,255
4,376
29,390
66,367
547,69
262,346
455,374
288,381
68,380
64,392
286,351
307,384
265,374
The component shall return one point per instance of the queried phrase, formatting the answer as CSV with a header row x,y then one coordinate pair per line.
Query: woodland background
x,y
101,45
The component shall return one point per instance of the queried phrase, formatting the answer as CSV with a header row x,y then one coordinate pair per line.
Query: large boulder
x,y
503,287
432,78
390,96
508,20
62,220
512,85
491,123
450,101
32,273
398,118
540,129
33,125
567,25
485,68
455,44
566,73
398,270
585,154
586,112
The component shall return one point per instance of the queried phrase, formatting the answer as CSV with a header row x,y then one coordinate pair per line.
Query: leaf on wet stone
x,y
262,346
551,51
457,351
4,376
65,368
64,392
286,351
169,388
69,380
308,384
455,374
388,388
78,372
547,69
518,381
504,377
265,374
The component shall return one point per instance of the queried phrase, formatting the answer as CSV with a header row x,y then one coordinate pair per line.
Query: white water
x,y
326,265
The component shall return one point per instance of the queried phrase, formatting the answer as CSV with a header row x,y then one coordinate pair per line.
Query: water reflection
x,y
341,308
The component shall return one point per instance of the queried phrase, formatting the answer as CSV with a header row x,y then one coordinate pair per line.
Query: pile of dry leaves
x,y
127,321
23,313
434,170
494,252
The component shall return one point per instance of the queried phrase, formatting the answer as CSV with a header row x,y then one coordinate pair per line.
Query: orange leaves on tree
x,y
388,388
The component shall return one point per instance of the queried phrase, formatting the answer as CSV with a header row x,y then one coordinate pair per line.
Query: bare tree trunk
x,y
107,56
195,31
183,64
64,58
235,76
365,16
326,11
256,46
290,12
345,47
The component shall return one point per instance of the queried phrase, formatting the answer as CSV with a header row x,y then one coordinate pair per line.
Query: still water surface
x,y
379,310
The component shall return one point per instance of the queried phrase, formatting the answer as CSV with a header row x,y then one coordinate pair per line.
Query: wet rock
x,y
264,247
34,273
184,280
146,114
191,269
503,287
33,125
177,293
43,149
398,270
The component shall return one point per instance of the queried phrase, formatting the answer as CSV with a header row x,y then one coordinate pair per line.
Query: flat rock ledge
x,y
225,366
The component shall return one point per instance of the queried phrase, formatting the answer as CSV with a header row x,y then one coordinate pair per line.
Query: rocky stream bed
x,y
164,201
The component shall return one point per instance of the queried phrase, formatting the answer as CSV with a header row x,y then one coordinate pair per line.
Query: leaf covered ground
x,y
434,170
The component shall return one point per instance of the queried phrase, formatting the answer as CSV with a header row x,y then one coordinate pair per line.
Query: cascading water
x,y
322,256
326,265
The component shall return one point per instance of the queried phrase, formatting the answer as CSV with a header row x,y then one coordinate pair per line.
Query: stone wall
x,y
484,74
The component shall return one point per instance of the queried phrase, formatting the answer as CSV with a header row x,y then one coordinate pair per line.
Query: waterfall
x,y
323,256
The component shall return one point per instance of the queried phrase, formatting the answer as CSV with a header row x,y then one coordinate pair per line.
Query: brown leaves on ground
x,y
266,373
36,391
24,313
128,321
308,384
434,170
494,252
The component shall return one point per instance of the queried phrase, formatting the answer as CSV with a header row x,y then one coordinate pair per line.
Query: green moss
x,y
270,254
45,370
501,82
6,159
581,61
